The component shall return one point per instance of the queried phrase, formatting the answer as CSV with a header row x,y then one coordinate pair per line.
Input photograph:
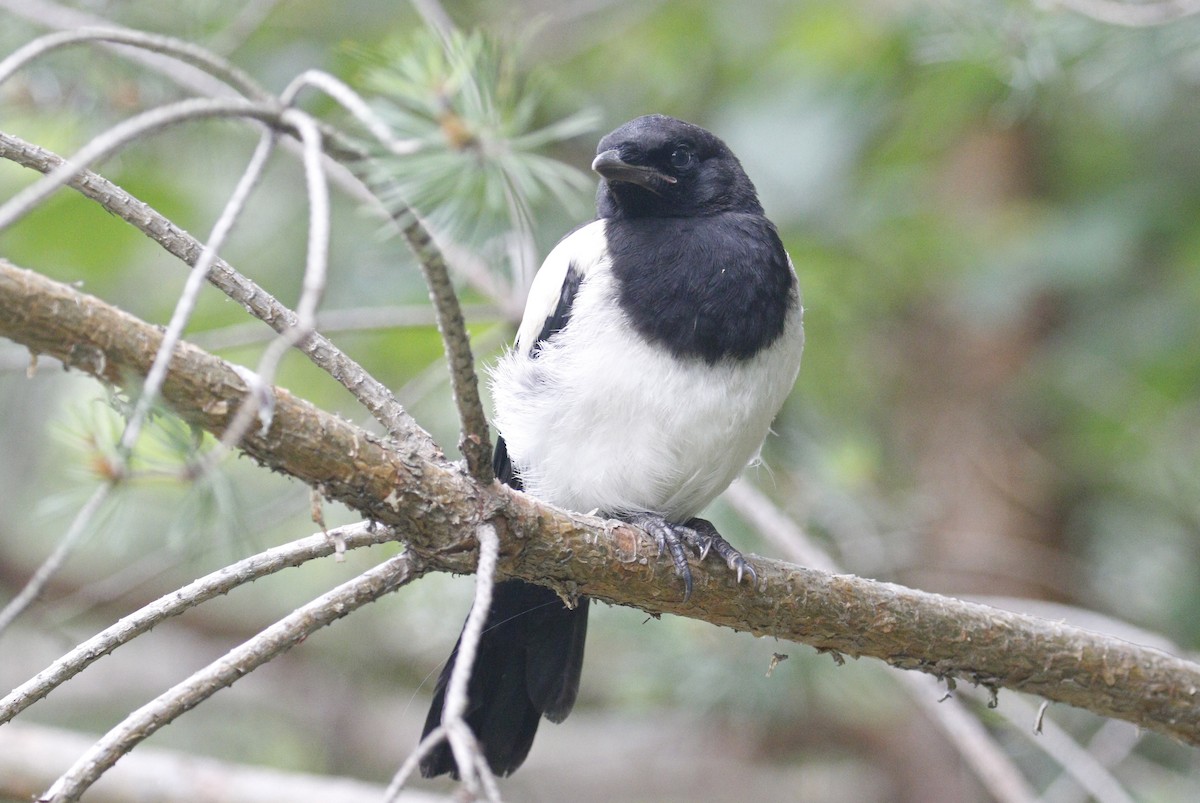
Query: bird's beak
x,y
610,165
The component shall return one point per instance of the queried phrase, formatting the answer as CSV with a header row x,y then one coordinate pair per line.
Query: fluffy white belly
x,y
600,419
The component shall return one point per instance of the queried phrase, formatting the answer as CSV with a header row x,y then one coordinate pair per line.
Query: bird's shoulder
x,y
580,252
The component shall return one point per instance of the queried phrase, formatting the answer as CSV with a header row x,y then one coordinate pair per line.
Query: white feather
x,y
584,246
603,419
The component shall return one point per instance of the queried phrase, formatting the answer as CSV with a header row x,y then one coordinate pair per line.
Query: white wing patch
x,y
584,248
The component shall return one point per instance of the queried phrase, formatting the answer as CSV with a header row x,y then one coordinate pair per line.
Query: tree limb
x,y
32,756
228,669
437,508
253,298
194,593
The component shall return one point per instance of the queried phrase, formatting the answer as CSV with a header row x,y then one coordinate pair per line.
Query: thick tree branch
x,y
437,508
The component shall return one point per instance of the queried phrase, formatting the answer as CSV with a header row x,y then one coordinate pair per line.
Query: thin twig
x,y
124,133
210,586
1062,747
1110,745
474,441
400,779
433,15
37,583
55,16
373,395
182,74
352,102
191,290
472,766
757,509
32,756
313,288
995,770
225,671
350,319
248,20
186,52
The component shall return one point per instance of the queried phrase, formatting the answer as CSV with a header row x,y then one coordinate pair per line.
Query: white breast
x,y
601,419
604,420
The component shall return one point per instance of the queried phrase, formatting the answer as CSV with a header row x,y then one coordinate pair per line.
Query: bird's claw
x,y
699,534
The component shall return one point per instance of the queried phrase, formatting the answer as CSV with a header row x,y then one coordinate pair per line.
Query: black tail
x,y
527,666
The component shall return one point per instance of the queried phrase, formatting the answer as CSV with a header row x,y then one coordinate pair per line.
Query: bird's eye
x,y
682,157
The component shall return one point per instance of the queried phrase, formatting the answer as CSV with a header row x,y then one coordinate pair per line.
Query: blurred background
x,y
994,211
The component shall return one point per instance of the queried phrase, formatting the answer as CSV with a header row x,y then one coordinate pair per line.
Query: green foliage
x,y
479,170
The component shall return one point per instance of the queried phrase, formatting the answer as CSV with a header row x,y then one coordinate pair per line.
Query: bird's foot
x,y
709,539
699,534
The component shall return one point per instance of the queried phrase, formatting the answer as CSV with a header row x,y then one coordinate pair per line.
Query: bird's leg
x,y
698,534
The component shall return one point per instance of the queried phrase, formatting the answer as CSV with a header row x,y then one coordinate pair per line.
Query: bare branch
x,y
191,290
1109,746
53,15
163,45
210,586
257,301
1082,767
351,319
79,526
435,737
351,102
32,756
967,735
990,764
473,767
439,509
313,288
248,20
758,510
124,133
434,16
474,442
224,672
184,75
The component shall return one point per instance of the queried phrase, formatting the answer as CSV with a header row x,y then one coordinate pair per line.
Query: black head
x,y
657,166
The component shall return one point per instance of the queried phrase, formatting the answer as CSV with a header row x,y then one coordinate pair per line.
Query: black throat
x,y
712,287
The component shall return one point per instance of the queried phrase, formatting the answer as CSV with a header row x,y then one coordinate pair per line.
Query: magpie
x,y
657,345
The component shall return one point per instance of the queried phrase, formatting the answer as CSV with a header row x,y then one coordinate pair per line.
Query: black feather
x,y
528,666
502,466
714,287
558,319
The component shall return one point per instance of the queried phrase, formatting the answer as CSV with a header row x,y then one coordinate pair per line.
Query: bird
x,y
658,343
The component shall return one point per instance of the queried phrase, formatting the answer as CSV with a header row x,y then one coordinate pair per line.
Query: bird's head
x,y
657,166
